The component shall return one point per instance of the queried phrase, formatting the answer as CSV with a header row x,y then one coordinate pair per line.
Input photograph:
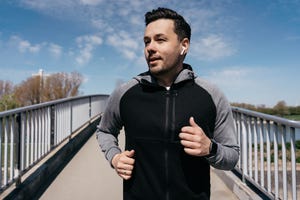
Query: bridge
x,y
49,151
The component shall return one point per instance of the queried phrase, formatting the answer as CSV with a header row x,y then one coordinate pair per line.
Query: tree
x,y
39,89
281,108
29,91
61,85
8,102
6,96
6,87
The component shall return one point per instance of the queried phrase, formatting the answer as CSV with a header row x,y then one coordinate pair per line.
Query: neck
x,y
167,79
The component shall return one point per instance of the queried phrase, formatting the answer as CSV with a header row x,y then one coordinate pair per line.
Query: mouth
x,y
153,59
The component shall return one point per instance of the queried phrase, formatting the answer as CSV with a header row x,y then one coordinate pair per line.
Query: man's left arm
x,y
225,147
222,150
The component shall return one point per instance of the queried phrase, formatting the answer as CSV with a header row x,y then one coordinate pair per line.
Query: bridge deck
x,y
89,176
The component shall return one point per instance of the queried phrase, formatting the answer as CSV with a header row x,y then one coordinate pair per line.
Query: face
x,y
162,48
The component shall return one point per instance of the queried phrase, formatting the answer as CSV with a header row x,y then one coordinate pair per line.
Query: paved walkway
x,y
88,176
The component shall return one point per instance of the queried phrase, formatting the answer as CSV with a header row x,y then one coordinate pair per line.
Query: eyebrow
x,y
155,36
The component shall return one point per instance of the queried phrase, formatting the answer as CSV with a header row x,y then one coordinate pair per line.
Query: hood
x,y
185,74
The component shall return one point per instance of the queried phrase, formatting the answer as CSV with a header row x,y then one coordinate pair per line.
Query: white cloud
x,y
87,44
253,84
24,45
232,77
211,47
125,44
55,50
91,2
122,23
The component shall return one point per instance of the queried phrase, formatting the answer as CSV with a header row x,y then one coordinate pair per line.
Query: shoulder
x,y
216,94
211,88
112,117
123,88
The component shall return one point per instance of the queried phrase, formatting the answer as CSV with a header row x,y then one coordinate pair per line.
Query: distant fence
x,y
268,153
29,133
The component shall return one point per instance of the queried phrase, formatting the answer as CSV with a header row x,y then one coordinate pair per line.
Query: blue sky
x,y
250,48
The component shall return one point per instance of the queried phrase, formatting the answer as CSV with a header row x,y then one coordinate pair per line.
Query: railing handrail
x,y
48,103
265,141
268,117
27,134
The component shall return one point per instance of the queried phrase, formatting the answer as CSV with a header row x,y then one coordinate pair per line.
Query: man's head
x,y
182,28
166,39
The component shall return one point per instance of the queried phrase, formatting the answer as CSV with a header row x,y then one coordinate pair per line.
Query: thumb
x,y
193,123
129,153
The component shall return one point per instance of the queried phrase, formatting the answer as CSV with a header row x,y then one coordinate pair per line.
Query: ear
x,y
185,44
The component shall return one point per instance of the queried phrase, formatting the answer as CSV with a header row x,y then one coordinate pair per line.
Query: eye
x,y
146,42
160,40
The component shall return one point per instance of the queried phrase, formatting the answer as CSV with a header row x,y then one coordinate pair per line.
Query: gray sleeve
x,y
111,123
224,134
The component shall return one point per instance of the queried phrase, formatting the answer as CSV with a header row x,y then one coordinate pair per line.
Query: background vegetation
x,y
38,89
280,109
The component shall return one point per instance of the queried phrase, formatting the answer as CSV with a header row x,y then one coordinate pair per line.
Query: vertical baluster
x,y
39,133
32,137
275,125
293,162
238,128
284,166
36,130
255,132
250,143
6,130
244,147
22,150
12,149
262,156
28,138
268,156
1,162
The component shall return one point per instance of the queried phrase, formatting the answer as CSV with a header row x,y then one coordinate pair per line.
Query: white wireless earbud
x,y
182,51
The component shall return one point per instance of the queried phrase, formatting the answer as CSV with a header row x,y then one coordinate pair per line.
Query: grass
x,y
293,117
288,151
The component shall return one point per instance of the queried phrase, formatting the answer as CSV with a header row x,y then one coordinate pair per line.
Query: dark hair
x,y
182,28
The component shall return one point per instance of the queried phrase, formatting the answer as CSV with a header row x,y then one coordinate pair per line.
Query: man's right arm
x,y
110,126
108,144
111,123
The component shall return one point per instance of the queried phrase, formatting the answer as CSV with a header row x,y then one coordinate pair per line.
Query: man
x,y
176,124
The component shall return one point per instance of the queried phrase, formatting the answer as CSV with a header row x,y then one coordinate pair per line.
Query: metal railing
x,y
268,153
29,133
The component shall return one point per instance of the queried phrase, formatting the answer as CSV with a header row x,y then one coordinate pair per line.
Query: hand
x,y
124,163
194,140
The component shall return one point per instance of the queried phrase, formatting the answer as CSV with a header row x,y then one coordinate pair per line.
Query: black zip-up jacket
x,y
152,117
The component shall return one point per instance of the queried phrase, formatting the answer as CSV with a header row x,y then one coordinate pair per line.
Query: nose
x,y
150,48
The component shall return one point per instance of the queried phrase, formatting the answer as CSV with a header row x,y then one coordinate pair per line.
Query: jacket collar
x,y
185,74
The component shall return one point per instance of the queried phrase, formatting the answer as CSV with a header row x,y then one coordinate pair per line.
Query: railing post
x,y
90,107
275,132
293,162
71,119
52,125
1,133
18,146
262,157
244,147
284,166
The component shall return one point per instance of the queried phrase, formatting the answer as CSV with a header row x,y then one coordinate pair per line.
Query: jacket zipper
x,y
169,129
166,152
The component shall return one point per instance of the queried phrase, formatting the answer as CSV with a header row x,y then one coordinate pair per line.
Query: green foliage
x,y
7,102
280,109
297,144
